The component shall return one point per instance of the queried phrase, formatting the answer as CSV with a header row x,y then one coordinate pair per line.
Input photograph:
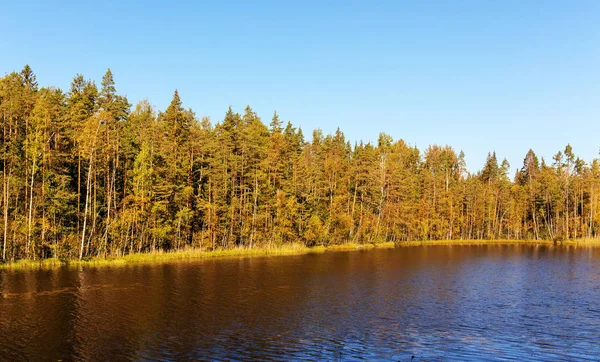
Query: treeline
x,y
84,174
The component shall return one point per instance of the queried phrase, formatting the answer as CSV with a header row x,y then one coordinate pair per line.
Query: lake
x,y
524,302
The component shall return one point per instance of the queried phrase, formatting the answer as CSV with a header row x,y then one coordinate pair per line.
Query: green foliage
x,y
85,176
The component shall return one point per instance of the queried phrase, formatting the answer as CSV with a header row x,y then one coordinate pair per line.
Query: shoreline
x,y
286,249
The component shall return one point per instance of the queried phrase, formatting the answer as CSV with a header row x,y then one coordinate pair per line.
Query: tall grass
x,y
186,254
286,249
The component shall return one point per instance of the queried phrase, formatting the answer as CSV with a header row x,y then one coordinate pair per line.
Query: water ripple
x,y
411,304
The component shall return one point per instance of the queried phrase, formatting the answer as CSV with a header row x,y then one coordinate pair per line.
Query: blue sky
x,y
478,75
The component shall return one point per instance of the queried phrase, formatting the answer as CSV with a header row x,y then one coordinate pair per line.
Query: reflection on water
x,y
437,302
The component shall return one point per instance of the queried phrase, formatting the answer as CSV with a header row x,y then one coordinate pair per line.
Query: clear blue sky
x,y
478,75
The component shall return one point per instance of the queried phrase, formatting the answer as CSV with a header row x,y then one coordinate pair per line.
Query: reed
x,y
285,249
576,242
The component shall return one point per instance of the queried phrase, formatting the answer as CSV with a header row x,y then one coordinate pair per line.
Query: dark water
x,y
434,303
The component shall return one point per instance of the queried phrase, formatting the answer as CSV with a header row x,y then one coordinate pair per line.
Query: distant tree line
x,y
83,174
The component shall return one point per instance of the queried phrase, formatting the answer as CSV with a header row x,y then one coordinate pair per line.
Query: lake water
x,y
496,302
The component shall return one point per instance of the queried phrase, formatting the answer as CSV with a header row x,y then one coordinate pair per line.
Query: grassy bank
x,y
287,249
187,254
578,242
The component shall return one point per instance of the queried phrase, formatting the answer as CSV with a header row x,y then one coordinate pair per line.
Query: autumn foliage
x,y
86,174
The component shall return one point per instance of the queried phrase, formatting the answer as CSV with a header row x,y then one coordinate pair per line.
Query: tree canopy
x,y
85,174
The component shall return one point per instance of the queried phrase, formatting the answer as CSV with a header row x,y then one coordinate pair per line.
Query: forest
x,y
85,173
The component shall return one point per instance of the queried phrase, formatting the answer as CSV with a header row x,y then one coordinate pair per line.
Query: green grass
x,y
286,249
